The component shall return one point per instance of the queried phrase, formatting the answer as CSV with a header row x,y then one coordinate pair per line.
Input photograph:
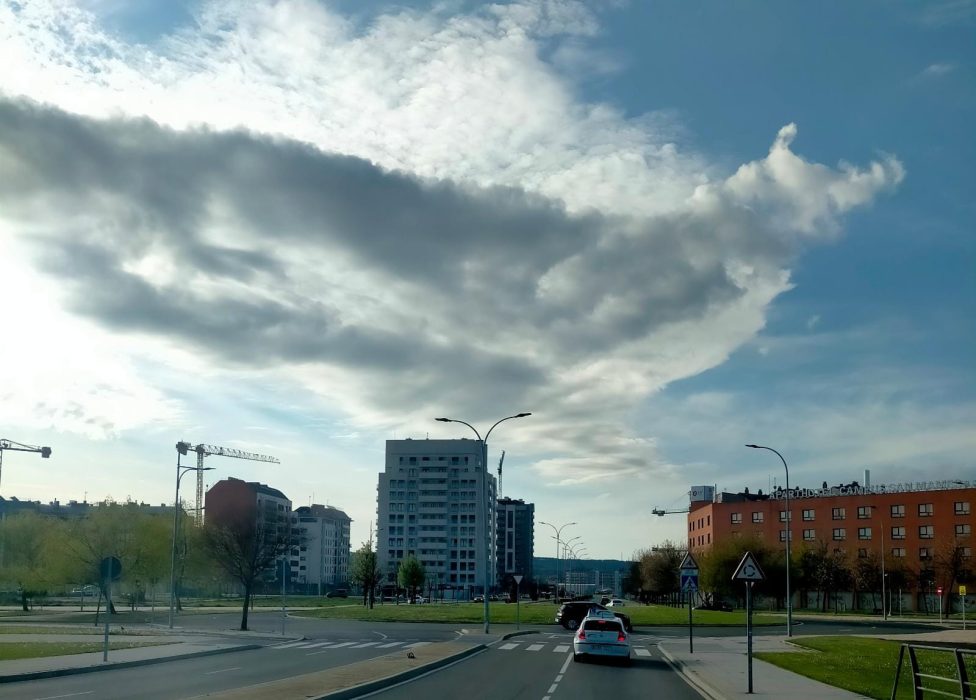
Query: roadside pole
x,y
108,608
518,601
749,572
691,627
962,601
283,615
688,577
939,592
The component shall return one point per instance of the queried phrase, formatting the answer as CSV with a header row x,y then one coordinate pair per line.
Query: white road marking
x,y
508,646
534,647
389,644
561,648
69,695
416,644
367,644
642,652
552,688
317,644
382,636
222,670
289,645
342,644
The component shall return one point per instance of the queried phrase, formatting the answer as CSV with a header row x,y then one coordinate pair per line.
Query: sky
x,y
666,229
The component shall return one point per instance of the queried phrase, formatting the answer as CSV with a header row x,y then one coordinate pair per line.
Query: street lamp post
x,y
884,603
181,449
484,497
557,531
789,523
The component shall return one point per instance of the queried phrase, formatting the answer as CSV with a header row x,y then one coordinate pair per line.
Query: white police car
x,y
601,634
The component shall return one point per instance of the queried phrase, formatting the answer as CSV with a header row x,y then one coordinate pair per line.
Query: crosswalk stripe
x,y
561,648
642,652
342,644
317,644
508,646
367,644
534,647
389,644
288,646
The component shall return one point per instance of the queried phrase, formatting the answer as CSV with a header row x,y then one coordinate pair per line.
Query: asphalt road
x,y
539,667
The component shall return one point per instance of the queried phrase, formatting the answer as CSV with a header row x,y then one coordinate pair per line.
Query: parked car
x,y
338,593
715,605
570,615
601,634
616,603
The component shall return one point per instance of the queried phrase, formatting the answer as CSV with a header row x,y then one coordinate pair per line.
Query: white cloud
x,y
936,70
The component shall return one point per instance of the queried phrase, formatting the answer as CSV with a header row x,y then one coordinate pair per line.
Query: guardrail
x,y
960,680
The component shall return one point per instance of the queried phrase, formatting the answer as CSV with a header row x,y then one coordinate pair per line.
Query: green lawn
x,y
863,665
33,650
531,614
38,629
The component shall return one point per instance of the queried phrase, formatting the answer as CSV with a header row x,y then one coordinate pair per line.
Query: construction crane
x,y
500,463
45,452
661,511
204,450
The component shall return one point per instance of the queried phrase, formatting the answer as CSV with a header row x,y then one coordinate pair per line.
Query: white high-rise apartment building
x,y
319,559
431,502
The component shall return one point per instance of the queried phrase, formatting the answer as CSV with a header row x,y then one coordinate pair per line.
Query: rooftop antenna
x,y
500,463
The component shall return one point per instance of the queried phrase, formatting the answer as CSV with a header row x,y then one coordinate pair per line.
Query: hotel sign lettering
x,y
854,490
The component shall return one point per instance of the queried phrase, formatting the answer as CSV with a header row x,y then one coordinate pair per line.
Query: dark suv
x,y
570,614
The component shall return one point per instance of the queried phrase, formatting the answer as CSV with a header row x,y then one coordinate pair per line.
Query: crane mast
x,y
204,450
500,463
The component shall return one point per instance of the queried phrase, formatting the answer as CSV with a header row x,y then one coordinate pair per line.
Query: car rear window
x,y
602,625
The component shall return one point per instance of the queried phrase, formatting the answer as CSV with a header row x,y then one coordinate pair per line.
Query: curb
x,y
383,683
55,673
690,677
520,633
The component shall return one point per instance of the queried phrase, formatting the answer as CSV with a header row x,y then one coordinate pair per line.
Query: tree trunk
x,y
247,600
23,599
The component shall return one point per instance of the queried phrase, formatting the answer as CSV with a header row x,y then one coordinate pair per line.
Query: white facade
x,y
431,501
321,559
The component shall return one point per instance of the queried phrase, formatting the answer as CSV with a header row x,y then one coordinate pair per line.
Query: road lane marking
x,y
382,636
288,646
552,688
317,644
222,670
366,644
534,647
561,648
389,644
342,644
510,645
416,644
642,652
69,695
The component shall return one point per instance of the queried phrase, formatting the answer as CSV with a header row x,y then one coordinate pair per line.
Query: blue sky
x,y
343,219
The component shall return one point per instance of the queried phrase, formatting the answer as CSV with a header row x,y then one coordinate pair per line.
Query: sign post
x,y
110,568
938,592
689,584
518,601
962,600
749,572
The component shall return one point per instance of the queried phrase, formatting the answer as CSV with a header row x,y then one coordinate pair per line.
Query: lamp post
x,y
557,531
884,603
789,522
484,497
181,449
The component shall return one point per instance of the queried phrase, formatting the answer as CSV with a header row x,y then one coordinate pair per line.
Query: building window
x,y
924,553
964,530
758,516
782,516
862,553
808,514
863,512
925,510
898,552
840,533
737,518
926,532
961,507
863,533
782,536
898,511
809,535
838,513
898,533
965,552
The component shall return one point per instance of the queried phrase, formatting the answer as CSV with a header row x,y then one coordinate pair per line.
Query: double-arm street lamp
x,y
557,531
181,449
484,497
789,520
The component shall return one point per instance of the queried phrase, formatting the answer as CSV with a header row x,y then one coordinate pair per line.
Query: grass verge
x,y
32,650
863,665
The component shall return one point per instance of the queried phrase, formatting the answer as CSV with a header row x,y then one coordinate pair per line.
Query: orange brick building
x,y
908,522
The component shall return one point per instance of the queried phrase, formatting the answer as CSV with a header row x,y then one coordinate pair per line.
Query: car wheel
x,y
578,658
571,624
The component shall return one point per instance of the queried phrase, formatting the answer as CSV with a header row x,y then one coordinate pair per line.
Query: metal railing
x,y
960,680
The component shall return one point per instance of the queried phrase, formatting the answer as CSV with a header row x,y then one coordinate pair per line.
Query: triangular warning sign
x,y
688,562
748,570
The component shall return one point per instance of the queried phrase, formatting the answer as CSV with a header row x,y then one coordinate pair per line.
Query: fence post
x,y
916,681
901,656
964,691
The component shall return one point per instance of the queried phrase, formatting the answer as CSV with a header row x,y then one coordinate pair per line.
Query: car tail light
x,y
582,634
621,637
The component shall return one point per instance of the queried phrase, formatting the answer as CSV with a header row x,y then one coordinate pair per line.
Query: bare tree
x,y
246,547
364,569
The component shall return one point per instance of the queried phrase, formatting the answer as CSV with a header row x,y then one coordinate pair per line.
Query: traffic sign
x,y
962,590
110,568
748,570
689,581
518,578
689,562
938,590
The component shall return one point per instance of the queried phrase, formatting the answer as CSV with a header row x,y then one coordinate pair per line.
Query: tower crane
x,y
45,452
500,463
204,450
661,511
